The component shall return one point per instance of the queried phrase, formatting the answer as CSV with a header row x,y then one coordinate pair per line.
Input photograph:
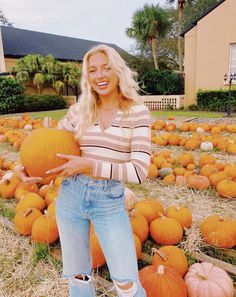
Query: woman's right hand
x,y
19,171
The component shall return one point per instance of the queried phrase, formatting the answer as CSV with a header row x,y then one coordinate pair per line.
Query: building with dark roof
x,y
16,43
210,49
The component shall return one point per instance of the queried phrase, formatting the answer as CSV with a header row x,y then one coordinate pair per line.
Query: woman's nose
x,y
100,73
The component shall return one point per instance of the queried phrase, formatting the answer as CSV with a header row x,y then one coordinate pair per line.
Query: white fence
x,y
163,101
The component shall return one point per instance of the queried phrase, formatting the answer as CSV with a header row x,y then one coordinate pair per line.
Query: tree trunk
x,y
154,51
180,28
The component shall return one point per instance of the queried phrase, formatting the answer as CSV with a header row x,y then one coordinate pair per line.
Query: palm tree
x,y
180,8
148,25
42,71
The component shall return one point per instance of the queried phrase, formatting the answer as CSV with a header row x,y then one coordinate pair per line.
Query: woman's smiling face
x,y
101,76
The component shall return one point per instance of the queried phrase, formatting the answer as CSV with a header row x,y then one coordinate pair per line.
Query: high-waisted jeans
x,y
81,200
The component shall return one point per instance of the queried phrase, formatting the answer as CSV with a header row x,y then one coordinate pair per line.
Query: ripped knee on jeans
x,y
80,279
126,289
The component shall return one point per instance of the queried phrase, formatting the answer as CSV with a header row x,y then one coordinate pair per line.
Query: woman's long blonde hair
x,y
89,101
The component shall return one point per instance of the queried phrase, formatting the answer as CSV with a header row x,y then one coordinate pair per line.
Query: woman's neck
x,y
109,103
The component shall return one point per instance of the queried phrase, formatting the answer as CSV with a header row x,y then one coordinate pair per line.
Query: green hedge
x,y
11,95
13,99
45,102
216,100
161,82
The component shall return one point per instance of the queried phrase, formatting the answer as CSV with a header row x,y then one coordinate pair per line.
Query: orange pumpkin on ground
x,y
172,256
139,225
180,213
45,229
219,232
198,182
150,209
162,281
38,150
167,231
97,255
24,220
226,188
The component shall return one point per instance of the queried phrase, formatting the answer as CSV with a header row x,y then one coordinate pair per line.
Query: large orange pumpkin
x,y
162,281
38,150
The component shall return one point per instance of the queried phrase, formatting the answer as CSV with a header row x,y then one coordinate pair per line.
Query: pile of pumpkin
x,y
204,136
198,173
168,274
14,130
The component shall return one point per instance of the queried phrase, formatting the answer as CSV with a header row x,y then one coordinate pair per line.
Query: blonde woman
x,y
113,129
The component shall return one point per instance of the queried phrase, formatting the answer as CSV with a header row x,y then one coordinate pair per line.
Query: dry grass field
x,y
29,270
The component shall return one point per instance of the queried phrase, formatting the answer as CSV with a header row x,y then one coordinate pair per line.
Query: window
x,y
232,59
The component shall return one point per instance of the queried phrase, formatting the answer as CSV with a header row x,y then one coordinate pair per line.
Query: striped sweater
x,y
120,152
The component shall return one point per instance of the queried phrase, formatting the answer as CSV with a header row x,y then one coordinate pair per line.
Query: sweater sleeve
x,y
136,169
69,121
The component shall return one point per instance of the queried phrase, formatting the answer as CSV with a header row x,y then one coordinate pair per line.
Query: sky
x,y
98,20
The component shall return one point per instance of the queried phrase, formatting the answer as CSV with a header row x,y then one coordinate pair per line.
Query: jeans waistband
x,y
103,183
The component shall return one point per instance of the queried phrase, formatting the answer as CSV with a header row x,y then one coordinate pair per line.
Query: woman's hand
x,y
19,171
74,166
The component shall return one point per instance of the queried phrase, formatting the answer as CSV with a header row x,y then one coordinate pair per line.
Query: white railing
x,y
156,102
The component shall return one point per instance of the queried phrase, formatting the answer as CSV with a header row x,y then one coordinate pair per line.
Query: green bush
x,y
45,102
161,82
11,95
216,100
193,107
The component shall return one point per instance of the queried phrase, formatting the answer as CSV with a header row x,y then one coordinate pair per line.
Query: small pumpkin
x,y
130,199
30,200
45,229
219,232
97,255
24,220
180,213
206,146
198,182
172,256
167,231
150,209
226,188
139,225
205,279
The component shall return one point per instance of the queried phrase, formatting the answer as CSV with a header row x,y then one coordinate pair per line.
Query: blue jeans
x,y
81,200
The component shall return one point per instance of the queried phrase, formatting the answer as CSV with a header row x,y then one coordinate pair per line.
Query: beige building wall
x,y
207,50
9,62
2,61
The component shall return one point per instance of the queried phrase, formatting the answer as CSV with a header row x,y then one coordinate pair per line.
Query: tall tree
x,y
188,11
180,8
3,20
149,24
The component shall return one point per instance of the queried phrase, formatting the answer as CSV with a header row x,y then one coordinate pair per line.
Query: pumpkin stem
x,y
132,213
161,254
27,212
202,276
161,269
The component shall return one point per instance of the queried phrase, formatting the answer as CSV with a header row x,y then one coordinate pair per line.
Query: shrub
x,y
216,100
160,82
193,107
45,102
11,95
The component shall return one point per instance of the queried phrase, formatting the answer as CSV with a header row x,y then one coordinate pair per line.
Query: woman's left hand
x,y
74,166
